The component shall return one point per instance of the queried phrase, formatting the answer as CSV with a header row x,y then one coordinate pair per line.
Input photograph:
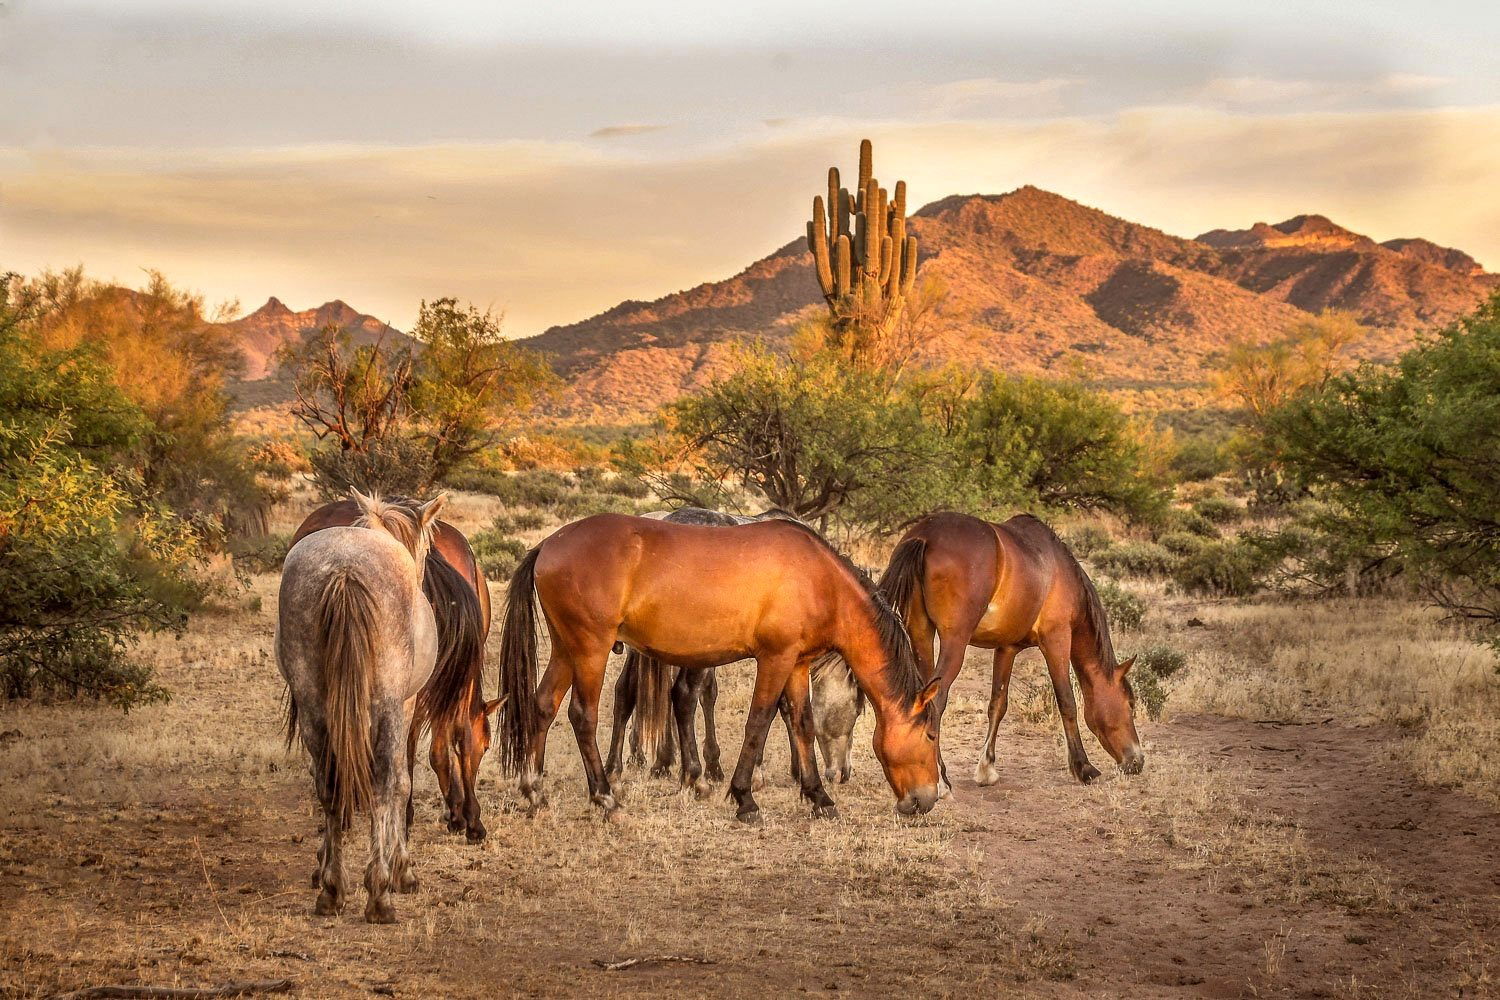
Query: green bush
x,y
1122,609
1221,569
394,467
1198,459
497,553
1134,558
263,554
1219,510
626,486
521,520
579,505
1161,659
476,480
1181,543
1179,519
1087,540
1150,692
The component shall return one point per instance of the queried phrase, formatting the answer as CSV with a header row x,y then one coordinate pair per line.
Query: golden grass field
x,y
1317,818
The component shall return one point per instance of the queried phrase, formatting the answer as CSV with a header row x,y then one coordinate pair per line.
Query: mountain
x,y
263,331
1041,284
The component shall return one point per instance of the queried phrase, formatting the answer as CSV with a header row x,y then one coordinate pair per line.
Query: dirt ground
x,y
1289,856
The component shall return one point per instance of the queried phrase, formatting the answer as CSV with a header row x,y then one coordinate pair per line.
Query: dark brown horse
x,y
700,596
452,704
1010,587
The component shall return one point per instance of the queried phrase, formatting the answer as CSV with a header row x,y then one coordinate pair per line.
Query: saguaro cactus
x,y
865,272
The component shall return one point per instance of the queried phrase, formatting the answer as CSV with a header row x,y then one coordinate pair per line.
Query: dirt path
x,y
1367,882
173,846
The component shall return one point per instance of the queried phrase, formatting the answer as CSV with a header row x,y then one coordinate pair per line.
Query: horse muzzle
x,y
1134,762
918,802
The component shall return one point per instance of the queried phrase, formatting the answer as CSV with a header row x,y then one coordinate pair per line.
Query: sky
x,y
550,160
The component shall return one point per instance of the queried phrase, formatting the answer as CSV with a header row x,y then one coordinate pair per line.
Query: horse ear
x,y
365,502
428,512
925,696
493,706
1124,668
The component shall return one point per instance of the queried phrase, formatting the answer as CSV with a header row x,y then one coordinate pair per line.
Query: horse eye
x,y
931,736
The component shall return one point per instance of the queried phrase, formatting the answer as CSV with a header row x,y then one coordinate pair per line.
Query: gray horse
x,y
356,641
647,689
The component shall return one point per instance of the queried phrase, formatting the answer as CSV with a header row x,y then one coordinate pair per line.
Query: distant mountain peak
x,y
262,332
1316,232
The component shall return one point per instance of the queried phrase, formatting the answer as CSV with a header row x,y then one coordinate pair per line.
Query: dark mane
x,y
460,627
901,670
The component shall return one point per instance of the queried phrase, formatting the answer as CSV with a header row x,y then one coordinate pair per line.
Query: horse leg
x,y
798,705
666,747
953,643
389,867
770,679
713,770
329,877
788,718
556,680
411,770
1005,658
583,713
440,756
685,695
1056,648
468,781
624,708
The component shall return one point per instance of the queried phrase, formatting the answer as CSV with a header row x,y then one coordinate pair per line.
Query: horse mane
x,y
901,670
398,517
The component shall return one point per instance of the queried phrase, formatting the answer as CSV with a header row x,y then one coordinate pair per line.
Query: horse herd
x,y
384,614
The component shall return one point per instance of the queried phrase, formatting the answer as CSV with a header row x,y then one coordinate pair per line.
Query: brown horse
x,y
700,596
1010,587
452,704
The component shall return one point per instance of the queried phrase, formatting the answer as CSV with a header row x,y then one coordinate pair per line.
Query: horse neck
x,y
1088,659
858,642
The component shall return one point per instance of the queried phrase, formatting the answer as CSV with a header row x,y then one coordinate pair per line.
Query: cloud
x,y
1253,91
990,96
620,131
555,231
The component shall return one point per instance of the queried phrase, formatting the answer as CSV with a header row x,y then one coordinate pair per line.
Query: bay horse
x,y
1010,587
356,641
649,690
452,705
699,596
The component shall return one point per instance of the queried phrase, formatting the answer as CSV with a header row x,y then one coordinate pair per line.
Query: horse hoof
x,y
409,884
758,779
702,789
661,771
380,913
829,811
476,834
713,772
751,818
456,825
327,905
1087,773
986,774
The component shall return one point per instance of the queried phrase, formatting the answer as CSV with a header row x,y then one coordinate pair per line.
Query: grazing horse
x,y
1010,587
356,641
460,599
655,688
700,596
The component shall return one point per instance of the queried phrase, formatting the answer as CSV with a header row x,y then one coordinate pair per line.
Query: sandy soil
x,y
173,846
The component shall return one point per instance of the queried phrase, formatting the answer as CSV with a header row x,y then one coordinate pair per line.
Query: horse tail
x,y
460,663
346,644
653,699
903,575
518,665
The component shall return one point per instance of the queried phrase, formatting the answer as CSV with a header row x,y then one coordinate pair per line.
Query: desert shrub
x,y
394,467
1181,519
1122,609
520,520
1136,558
1219,510
1150,692
626,486
1161,659
1181,543
589,477
477,479
497,553
578,505
260,554
1088,539
1198,459
1221,569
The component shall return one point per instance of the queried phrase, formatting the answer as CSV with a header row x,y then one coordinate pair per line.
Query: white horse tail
x,y
346,643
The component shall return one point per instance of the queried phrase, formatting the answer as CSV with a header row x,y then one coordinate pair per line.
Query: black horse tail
x,y
903,575
460,661
518,666
653,705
